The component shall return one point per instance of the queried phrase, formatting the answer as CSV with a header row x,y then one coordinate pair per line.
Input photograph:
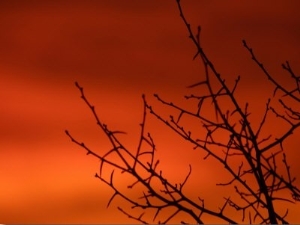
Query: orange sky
x,y
117,50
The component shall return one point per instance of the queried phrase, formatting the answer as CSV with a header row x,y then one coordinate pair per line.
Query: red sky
x,y
117,50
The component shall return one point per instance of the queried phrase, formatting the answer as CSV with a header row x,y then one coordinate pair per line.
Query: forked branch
x,y
257,181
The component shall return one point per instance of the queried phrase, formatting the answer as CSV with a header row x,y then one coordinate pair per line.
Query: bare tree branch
x,y
256,181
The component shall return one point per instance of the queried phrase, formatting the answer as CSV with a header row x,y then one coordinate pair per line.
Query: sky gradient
x,y
117,51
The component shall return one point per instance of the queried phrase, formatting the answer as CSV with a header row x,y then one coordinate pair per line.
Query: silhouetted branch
x,y
257,179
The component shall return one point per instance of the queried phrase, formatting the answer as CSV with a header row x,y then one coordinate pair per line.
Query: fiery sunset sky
x,y
117,50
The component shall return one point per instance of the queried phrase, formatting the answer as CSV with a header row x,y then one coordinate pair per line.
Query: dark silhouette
x,y
259,156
